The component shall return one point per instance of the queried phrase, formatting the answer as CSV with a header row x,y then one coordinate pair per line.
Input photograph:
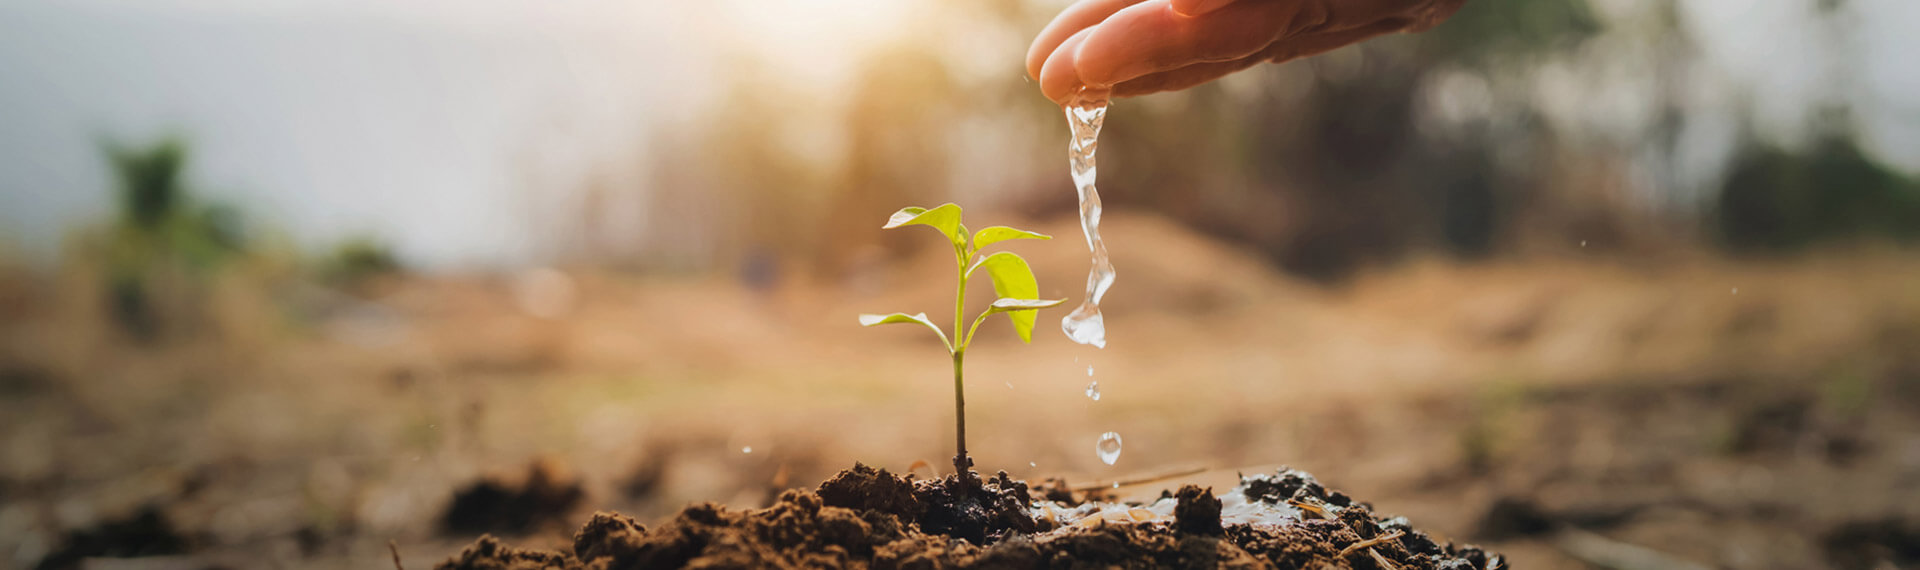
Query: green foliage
x,y
1773,200
150,180
1486,29
1013,283
996,234
357,259
945,217
868,320
164,243
1017,306
1013,279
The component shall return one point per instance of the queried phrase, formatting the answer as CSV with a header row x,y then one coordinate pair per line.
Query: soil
x,y
1567,414
868,518
145,533
542,498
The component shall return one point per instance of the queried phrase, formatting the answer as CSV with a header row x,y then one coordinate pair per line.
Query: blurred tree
x,y
163,244
1341,173
1486,32
356,260
1775,201
149,180
898,123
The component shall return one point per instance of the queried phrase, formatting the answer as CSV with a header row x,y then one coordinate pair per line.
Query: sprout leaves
x,y
1012,280
868,320
945,217
997,234
1011,305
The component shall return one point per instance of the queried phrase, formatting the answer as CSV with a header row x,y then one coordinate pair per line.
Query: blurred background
x,y
1598,283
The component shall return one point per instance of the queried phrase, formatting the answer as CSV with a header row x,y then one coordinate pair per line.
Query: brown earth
x,y
1568,411
866,518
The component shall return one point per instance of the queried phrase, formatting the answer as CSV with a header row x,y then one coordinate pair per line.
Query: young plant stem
x,y
962,466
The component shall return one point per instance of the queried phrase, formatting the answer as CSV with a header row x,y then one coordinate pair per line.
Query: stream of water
x,y
1085,113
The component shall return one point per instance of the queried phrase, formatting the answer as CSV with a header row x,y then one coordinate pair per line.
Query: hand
x,y
1138,47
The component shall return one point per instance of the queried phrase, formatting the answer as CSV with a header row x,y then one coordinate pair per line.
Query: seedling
x,y
1013,282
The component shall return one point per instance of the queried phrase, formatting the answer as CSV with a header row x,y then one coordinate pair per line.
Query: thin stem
x,y
961,464
975,329
960,297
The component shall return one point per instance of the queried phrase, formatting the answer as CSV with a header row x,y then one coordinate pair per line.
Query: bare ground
x,y
1566,412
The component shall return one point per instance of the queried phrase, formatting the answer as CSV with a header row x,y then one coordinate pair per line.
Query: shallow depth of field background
x,y
1575,279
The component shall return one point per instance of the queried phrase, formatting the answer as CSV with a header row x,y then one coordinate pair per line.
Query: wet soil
x,y
868,518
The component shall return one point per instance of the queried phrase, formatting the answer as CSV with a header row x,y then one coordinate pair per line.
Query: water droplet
x,y
1093,390
747,449
1736,290
1116,484
1009,385
1108,448
1086,326
1032,464
1583,243
1089,369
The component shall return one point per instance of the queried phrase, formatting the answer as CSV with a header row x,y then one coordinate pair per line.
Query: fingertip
x,y
1117,45
1074,19
1037,56
1059,75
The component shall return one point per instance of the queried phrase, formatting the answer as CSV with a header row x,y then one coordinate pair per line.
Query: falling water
x,y
1085,113
1108,447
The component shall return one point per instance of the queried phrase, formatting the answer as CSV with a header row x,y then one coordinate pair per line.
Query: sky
x,y
446,127
424,123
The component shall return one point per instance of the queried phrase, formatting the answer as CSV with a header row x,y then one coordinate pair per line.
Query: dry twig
x,y
1144,479
1382,560
1375,541
1317,510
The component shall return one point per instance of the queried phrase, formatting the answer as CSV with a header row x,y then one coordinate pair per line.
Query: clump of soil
x,y
144,533
545,495
868,518
1884,543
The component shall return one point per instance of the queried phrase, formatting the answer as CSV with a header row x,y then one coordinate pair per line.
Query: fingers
x,y
1148,46
1059,78
1150,37
1198,7
1079,16
1316,44
1185,77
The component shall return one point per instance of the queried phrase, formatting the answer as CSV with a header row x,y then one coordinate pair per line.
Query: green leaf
x,y
997,234
869,319
1012,279
945,217
1011,305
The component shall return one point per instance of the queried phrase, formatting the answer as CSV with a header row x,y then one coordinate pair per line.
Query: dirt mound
x,y
546,494
866,518
144,533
